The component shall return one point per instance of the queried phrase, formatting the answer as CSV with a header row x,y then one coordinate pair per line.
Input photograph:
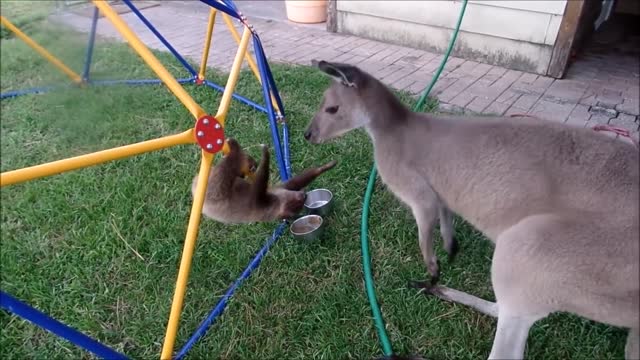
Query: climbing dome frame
x,y
207,132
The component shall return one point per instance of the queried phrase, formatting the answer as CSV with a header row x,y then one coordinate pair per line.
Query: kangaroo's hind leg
x,y
521,285
529,280
460,297
513,322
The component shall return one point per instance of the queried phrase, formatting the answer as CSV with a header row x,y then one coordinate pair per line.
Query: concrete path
x,y
595,91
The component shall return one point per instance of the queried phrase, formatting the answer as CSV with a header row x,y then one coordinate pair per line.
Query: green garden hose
x,y
364,239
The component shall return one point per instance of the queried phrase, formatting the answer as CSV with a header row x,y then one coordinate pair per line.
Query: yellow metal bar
x,y
250,61
187,255
233,77
236,36
82,161
42,51
207,43
148,57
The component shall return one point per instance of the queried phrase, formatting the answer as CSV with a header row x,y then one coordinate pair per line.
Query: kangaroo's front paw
x,y
418,284
434,270
452,249
427,288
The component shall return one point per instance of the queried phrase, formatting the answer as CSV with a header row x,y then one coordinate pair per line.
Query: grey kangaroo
x,y
559,203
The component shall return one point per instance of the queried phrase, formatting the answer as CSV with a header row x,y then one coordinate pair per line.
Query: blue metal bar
x,y
17,307
285,148
92,38
16,93
270,111
276,94
160,37
231,5
222,303
274,90
222,7
136,82
240,98
272,83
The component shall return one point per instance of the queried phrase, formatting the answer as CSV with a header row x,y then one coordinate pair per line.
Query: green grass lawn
x,y
64,249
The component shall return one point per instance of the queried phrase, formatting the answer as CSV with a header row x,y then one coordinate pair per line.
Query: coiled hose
x,y
364,230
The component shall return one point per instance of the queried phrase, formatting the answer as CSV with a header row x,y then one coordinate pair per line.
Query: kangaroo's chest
x,y
403,180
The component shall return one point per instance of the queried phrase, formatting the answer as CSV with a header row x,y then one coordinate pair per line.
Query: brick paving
x,y
598,89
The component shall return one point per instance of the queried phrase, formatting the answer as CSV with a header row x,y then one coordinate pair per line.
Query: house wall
x,y
515,34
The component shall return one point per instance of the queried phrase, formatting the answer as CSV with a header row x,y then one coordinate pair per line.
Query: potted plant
x,y
306,11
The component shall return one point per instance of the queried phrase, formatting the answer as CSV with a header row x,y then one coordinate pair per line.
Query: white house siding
x,y
514,34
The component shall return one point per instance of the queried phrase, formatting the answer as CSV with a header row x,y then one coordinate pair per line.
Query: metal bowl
x,y
319,202
307,228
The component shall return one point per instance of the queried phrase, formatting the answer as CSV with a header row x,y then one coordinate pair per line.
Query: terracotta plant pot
x,y
307,11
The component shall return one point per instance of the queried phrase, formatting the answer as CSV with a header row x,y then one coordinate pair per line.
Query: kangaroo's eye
x,y
332,109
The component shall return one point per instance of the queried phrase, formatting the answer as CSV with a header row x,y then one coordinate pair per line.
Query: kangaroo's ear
x,y
348,75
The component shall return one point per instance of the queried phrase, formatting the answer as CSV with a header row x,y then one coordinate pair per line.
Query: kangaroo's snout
x,y
307,134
